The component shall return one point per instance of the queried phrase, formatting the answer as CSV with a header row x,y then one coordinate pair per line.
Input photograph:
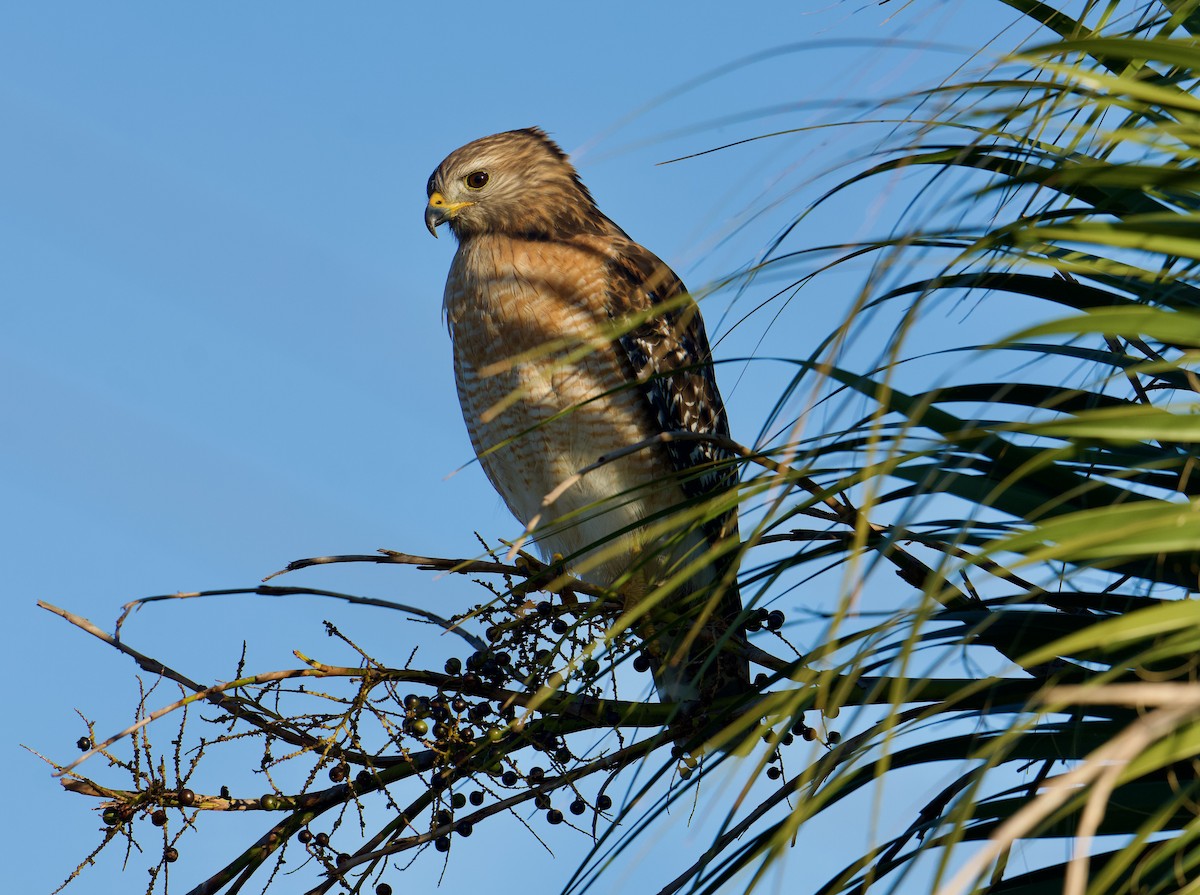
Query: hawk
x,y
572,342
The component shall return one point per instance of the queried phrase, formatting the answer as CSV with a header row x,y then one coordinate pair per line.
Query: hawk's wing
x,y
669,356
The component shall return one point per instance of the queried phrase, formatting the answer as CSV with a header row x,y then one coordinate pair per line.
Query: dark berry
x,y
442,843
476,798
363,778
411,701
383,889
560,626
603,803
304,837
578,806
562,754
775,620
186,797
834,737
641,662
458,800
83,743
420,728
509,778
459,704
774,773
111,816
337,773
343,858
466,828
554,816
454,665
269,802
171,854
537,775
542,801
159,818
544,609
760,681
322,840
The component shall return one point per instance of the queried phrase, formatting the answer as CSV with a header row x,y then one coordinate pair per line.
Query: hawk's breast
x,y
544,394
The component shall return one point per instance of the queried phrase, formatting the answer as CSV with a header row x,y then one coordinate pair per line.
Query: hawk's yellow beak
x,y
438,211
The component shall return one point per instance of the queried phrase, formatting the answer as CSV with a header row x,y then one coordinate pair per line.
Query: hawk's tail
x,y
694,646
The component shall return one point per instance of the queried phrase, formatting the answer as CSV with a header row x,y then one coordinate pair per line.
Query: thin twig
x,y
530,572
267,590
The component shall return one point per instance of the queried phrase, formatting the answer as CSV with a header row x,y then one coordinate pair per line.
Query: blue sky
x,y
223,347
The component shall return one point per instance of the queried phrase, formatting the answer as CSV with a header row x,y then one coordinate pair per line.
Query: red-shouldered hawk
x,y
571,342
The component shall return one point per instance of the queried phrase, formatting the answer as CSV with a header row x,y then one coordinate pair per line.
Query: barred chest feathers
x,y
544,394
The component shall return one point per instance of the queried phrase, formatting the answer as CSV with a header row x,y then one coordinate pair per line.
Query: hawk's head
x,y
518,183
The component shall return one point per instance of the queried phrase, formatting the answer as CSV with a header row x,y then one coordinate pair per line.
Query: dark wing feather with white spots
x,y
669,355
670,358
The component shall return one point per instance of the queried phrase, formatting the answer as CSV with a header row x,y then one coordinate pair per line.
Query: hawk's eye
x,y
476,180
